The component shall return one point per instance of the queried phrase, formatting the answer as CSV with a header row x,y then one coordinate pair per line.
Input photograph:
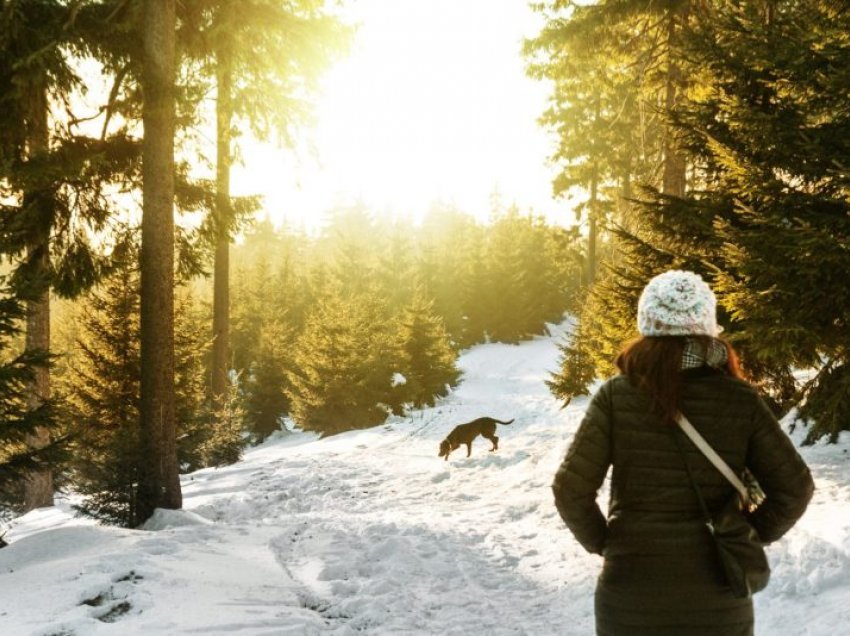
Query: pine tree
x,y
265,57
763,215
426,357
620,76
269,286
53,177
476,302
103,400
17,419
349,243
396,269
159,482
251,310
103,395
204,437
576,369
514,275
267,399
523,277
770,130
453,269
342,366
508,280
563,262
608,63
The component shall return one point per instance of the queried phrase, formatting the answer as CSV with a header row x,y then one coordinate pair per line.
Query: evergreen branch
x,y
73,10
113,97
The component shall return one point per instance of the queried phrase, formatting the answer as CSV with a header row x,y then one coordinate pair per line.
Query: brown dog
x,y
465,433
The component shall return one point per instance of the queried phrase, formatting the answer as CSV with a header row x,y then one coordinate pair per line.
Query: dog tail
x,y
501,422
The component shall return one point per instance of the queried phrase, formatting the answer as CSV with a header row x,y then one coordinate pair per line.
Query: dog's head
x,y
445,448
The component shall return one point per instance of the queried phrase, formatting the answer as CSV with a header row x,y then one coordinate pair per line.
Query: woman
x,y
661,574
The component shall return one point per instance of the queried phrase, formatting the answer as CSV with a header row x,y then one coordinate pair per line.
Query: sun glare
x,y
431,105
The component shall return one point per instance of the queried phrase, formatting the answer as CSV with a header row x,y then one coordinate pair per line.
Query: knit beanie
x,y
677,303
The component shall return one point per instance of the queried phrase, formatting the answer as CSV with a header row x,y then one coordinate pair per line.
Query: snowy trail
x,y
385,536
370,532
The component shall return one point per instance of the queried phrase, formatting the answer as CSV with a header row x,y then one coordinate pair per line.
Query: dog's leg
x,y
495,439
468,449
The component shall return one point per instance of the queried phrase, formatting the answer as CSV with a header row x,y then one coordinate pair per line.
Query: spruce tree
x,y
426,356
513,275
204,438
342,366
266,397
159,482
620,76
611,65
576,368
524,280
103,401
54,177
265,57
508,284
396,275
477,303
453,269
269,286
17,419
251,292
763,215
103,395
770,130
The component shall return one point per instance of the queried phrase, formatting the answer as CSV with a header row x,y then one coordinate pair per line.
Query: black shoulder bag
x,y
739,549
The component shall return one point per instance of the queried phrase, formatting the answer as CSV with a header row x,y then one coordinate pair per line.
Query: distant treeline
x,y
335,331
711,136
321,326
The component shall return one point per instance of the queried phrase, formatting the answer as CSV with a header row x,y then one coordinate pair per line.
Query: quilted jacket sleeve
x,y
782,474
582,473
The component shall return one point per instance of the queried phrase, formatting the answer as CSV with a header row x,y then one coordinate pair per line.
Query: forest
x,y
153,323
710,136
138,344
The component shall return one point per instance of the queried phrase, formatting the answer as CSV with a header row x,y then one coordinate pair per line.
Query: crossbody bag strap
x,y
704,508
706,449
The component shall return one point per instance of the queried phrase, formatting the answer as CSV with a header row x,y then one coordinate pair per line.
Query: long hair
x,y
654,364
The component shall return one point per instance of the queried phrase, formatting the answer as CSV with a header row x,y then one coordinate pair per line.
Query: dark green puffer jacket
x,y
661,575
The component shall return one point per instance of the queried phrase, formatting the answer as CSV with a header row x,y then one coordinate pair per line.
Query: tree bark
x,y
224,220
159,483
593,207
593,222
624,216
38,486
674,179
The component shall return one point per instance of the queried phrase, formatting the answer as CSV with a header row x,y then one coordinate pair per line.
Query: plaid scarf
x,y
696,355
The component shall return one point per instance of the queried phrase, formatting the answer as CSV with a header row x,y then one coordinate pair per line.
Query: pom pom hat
x,y
677,303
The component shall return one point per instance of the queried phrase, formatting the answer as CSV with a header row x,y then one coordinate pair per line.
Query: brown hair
x,y
653,363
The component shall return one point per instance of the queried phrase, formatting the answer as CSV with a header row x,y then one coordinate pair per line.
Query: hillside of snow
x,y
371,532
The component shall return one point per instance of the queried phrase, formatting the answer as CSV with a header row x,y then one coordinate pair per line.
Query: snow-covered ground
x,y
371,532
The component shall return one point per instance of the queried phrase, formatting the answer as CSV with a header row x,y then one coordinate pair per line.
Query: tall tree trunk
x,y
38,486
223,225
593,221
159,482
624,203
593,206
675,166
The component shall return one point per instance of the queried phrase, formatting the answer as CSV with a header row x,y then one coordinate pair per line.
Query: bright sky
x,y
433,104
